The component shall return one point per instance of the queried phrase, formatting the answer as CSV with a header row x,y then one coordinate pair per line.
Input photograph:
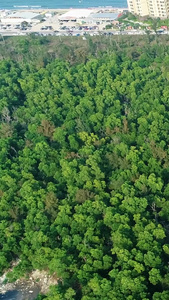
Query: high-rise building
x,y
153,8
138,7
158,8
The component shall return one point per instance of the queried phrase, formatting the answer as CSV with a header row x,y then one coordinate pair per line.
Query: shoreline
x,y
36,8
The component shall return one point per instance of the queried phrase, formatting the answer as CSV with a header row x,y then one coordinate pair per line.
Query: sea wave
x,y
27,6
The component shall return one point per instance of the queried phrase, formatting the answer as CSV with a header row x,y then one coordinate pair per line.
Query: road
x,y
75,32
67,32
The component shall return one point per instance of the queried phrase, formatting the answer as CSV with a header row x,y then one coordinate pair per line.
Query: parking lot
x,y
52,24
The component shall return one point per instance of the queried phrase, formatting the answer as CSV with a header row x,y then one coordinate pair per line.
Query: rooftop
x,y
76,13
23,15
110,16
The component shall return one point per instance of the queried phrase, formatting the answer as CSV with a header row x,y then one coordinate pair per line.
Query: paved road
x,y
66,32
15,32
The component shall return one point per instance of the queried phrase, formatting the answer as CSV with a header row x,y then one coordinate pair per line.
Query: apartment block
x,y
158,8
138,7
153,8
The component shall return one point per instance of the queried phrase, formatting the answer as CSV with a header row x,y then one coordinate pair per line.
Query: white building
x,y
100,17
75,14
21,16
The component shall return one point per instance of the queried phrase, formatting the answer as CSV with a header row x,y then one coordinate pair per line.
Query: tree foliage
x,y
84,168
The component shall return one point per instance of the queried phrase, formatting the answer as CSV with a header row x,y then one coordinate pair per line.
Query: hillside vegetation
x,y
84,166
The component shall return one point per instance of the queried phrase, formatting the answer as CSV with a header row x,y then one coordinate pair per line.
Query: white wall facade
x,y
153,8
139,7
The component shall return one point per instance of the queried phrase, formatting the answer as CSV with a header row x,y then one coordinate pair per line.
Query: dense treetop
x,y
84,171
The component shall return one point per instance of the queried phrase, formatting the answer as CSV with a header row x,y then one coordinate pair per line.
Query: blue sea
x,y
20,4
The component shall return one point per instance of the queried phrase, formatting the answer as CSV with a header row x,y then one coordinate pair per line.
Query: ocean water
x,y
20,4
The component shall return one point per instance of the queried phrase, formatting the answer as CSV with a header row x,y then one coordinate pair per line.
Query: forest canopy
x,y
84,170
